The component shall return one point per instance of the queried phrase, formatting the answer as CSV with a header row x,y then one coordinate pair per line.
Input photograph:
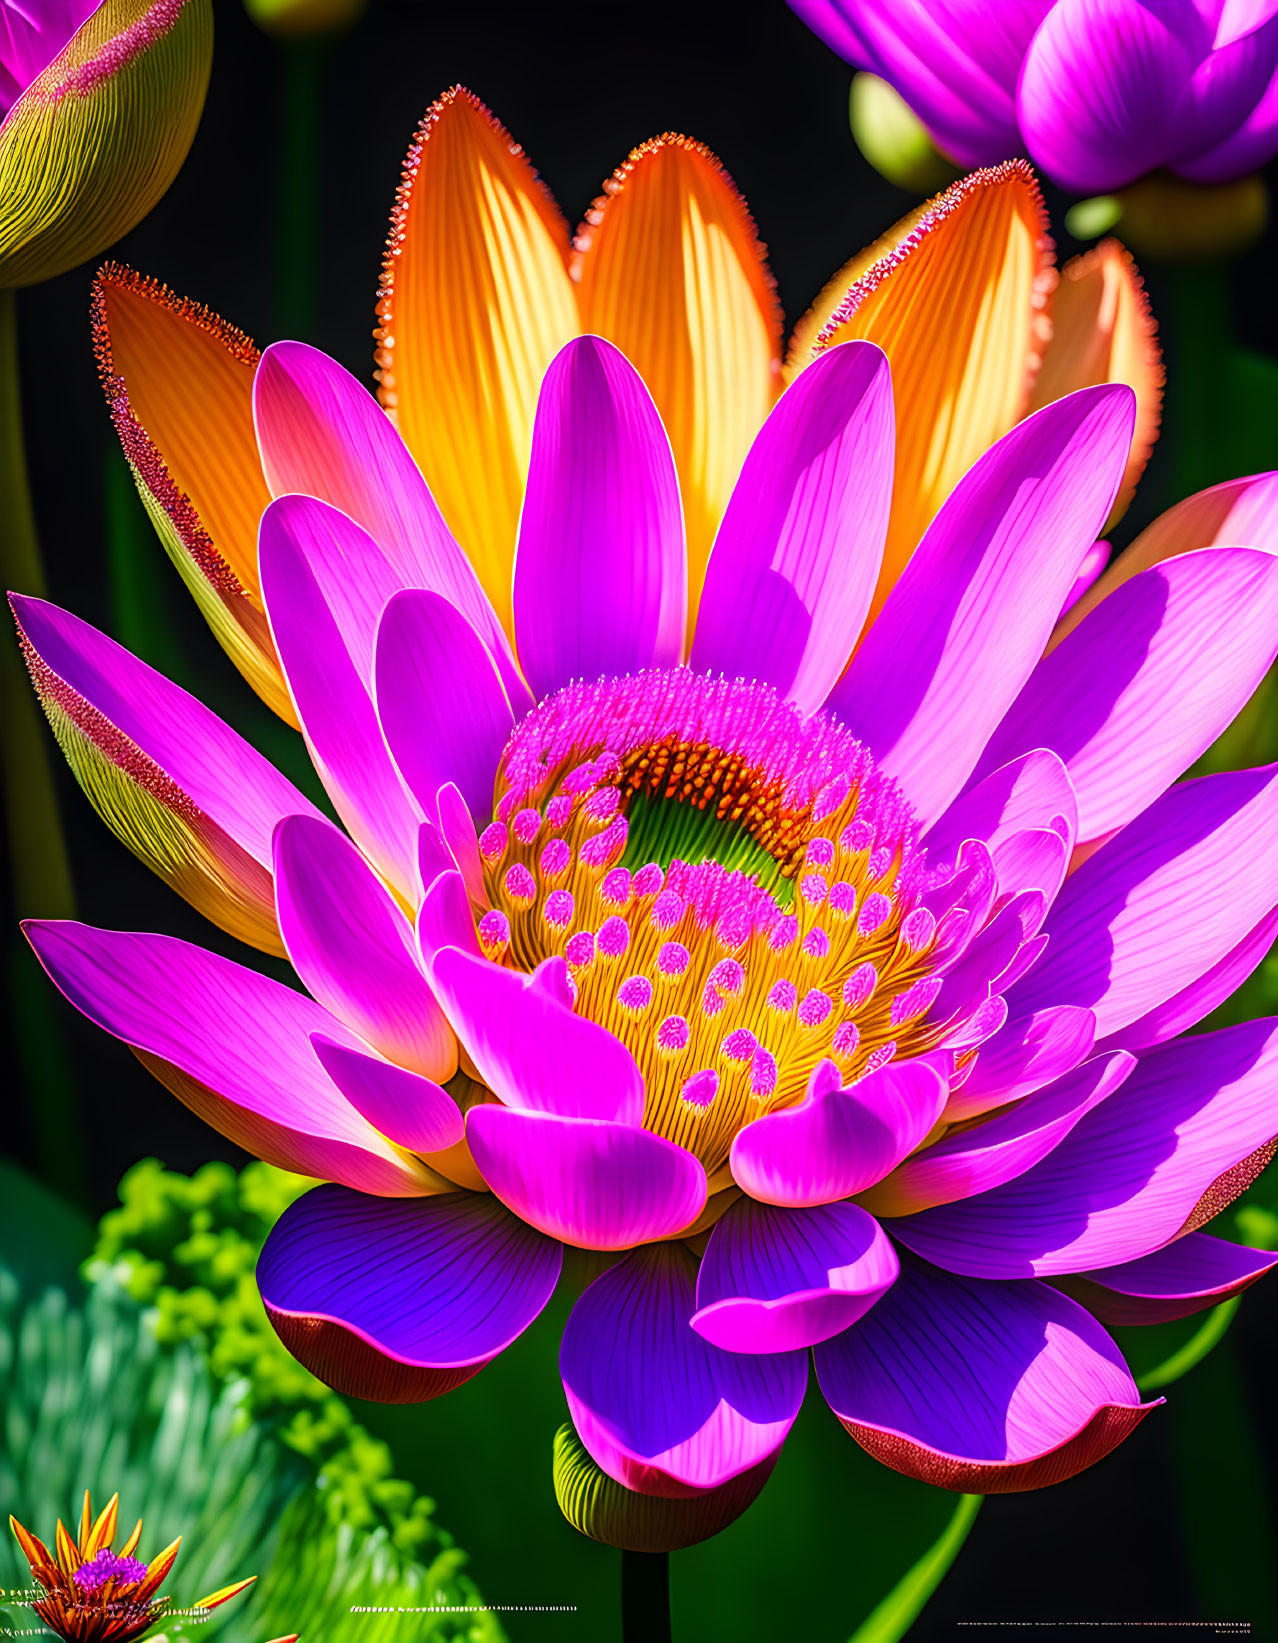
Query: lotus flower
x,y
821,972
96,1595
482,286
99,103
1098,92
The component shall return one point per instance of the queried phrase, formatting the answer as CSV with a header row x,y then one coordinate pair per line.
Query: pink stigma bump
x,y
783,997
816,944
701,1089
815,1008
525,825
494,931
728,976
580,949
672,960
603,804
613,938
555,859
847,1035
813,888
712,1000
635,994
856,838
667,910
519,884
615,889
763,1073
648,880
918,930
492,842
559,909
673,1035
880,1057
605,847
916,1000
843,899
739,1045
559,811
859,988
783,933
820,853
875,911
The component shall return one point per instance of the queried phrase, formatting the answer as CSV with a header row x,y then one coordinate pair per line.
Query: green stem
x,y
39,869
297,235
645,1597
1201,338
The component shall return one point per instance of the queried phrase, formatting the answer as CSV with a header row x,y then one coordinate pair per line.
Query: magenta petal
x,y
444,918
400,1302
1207,850
601,574
457,828
1147,680
659,1408
305,549
585,1181
442,706
409,1110
231,1044
1185,1133
985,1388
796,559
321,433
532,1050
974,1160
31,37
974,608
1188,1276
353,948
838,1142
777,1280
1023,1055
1094,562
1031,792
1188,1007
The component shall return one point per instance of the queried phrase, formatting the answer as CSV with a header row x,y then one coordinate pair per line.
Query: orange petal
x,y
1103,331
96,139
103,1531
475,302
670,269
1241,513
86,1523
68,1552
179,382
223,1593
957,304
34,1549
156,1571
131,1544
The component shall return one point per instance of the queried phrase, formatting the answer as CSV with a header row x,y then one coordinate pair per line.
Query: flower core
x,y
735,889
108,1566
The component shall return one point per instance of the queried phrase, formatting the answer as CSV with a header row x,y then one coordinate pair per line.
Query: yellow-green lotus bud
x,y
299,19
100,120
1166,219
894,140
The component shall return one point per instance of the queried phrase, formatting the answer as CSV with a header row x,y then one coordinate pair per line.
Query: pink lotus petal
x,y
532,1050
1094,562
661,1410
231,1044
1026,1053
974,1160
409,1110
601,573
326,659
984,1388
1207,853
322,434
441,703
444,918
1031,792
586,1181
776,1280
1148,681
838,1141
973,609
1187,1276
354,949
400,1302
1163,1153
797,557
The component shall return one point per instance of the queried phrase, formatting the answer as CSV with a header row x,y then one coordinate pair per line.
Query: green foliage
x,y
188,1246
90,1397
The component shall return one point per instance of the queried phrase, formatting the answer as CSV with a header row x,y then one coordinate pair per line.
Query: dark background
x,y
578,85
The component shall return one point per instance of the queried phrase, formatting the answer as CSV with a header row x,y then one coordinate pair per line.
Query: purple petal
x,y
1172,1146
601,572
1253,144
1188,1276
955,62
1030,792
1116,930
1035,860
974,608
444,918
586,1181
305,551
322,434
1189,1006
985,1388
400,1302
231,1044
354,949
443,710
777,1280
31,37
1148,680
204,778
974,1160
1026,1053
409,1110
1094,562
531,1050
457,828
837,1142
659,1408
797,557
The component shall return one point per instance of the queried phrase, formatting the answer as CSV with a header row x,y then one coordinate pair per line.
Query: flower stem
x,y
297,236
645,1597
39,869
